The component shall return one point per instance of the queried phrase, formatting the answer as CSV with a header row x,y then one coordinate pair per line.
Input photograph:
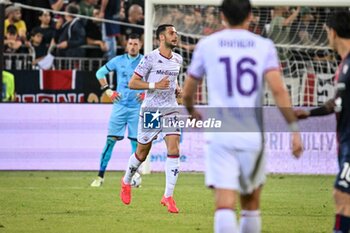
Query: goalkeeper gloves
x,y
113,95
140,97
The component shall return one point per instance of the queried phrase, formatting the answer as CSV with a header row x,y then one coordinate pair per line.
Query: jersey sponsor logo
x,y
167,72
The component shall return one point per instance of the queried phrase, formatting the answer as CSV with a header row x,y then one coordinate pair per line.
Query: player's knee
x,y
342,202
115,138
142,152
225,199
250,205
251,201
225,204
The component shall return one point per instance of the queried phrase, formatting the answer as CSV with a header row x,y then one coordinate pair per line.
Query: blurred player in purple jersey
x,y
338,30
157,74
236,63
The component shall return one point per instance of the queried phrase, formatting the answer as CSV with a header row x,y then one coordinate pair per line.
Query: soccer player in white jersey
x,y
157,73
236,63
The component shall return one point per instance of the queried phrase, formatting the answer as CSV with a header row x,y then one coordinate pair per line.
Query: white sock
x,y
250,221
225,221
171,173
133,165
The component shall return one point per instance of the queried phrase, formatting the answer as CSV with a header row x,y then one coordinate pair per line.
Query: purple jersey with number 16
x,y
234,62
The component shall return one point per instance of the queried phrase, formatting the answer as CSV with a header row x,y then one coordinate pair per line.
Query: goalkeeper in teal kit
x,y
126,102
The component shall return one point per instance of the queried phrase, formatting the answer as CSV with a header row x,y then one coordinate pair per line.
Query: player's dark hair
x,y
339,22
134,36
236,11
162,28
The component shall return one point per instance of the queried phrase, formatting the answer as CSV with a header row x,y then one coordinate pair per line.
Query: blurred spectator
x,y
198,18
30,16
45,28
57,5
255,25
305,29
36,45
279,30
177,16
211,24
135,16
86,7
72,35
129,3
163,17
112,10
94,37
190,27
14,17
12,42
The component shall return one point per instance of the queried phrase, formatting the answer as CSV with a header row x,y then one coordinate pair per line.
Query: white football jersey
x,y
152,68
234,62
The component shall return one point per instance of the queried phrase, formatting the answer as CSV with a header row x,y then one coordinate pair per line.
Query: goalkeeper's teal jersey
x,y
124,67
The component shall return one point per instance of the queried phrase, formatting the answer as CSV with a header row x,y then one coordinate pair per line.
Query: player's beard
x,y
170,45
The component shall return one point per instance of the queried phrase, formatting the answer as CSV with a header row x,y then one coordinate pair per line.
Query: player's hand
x,y
140,97
113,95
195,115
163,84
301,114
178,92
297,144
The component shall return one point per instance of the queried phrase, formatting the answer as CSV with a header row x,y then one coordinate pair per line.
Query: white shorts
x,y
145,136
234,169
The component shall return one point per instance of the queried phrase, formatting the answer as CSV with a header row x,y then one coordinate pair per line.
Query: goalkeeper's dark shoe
x,y
170,204
125,193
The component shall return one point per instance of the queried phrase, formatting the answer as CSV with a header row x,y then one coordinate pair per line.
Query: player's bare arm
x,y
190,88
281,96
137,83
326,109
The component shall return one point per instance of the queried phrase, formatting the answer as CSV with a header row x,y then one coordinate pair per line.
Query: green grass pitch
x,y
64,202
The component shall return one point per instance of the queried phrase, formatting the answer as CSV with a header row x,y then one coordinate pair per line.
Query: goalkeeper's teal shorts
x,y
121,117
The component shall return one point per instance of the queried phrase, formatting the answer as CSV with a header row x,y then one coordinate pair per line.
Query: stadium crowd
x,y
39,32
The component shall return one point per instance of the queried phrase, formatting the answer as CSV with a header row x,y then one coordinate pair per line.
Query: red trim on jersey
x,y
170,113
138,74
272,69
173,134
165,56
173,156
